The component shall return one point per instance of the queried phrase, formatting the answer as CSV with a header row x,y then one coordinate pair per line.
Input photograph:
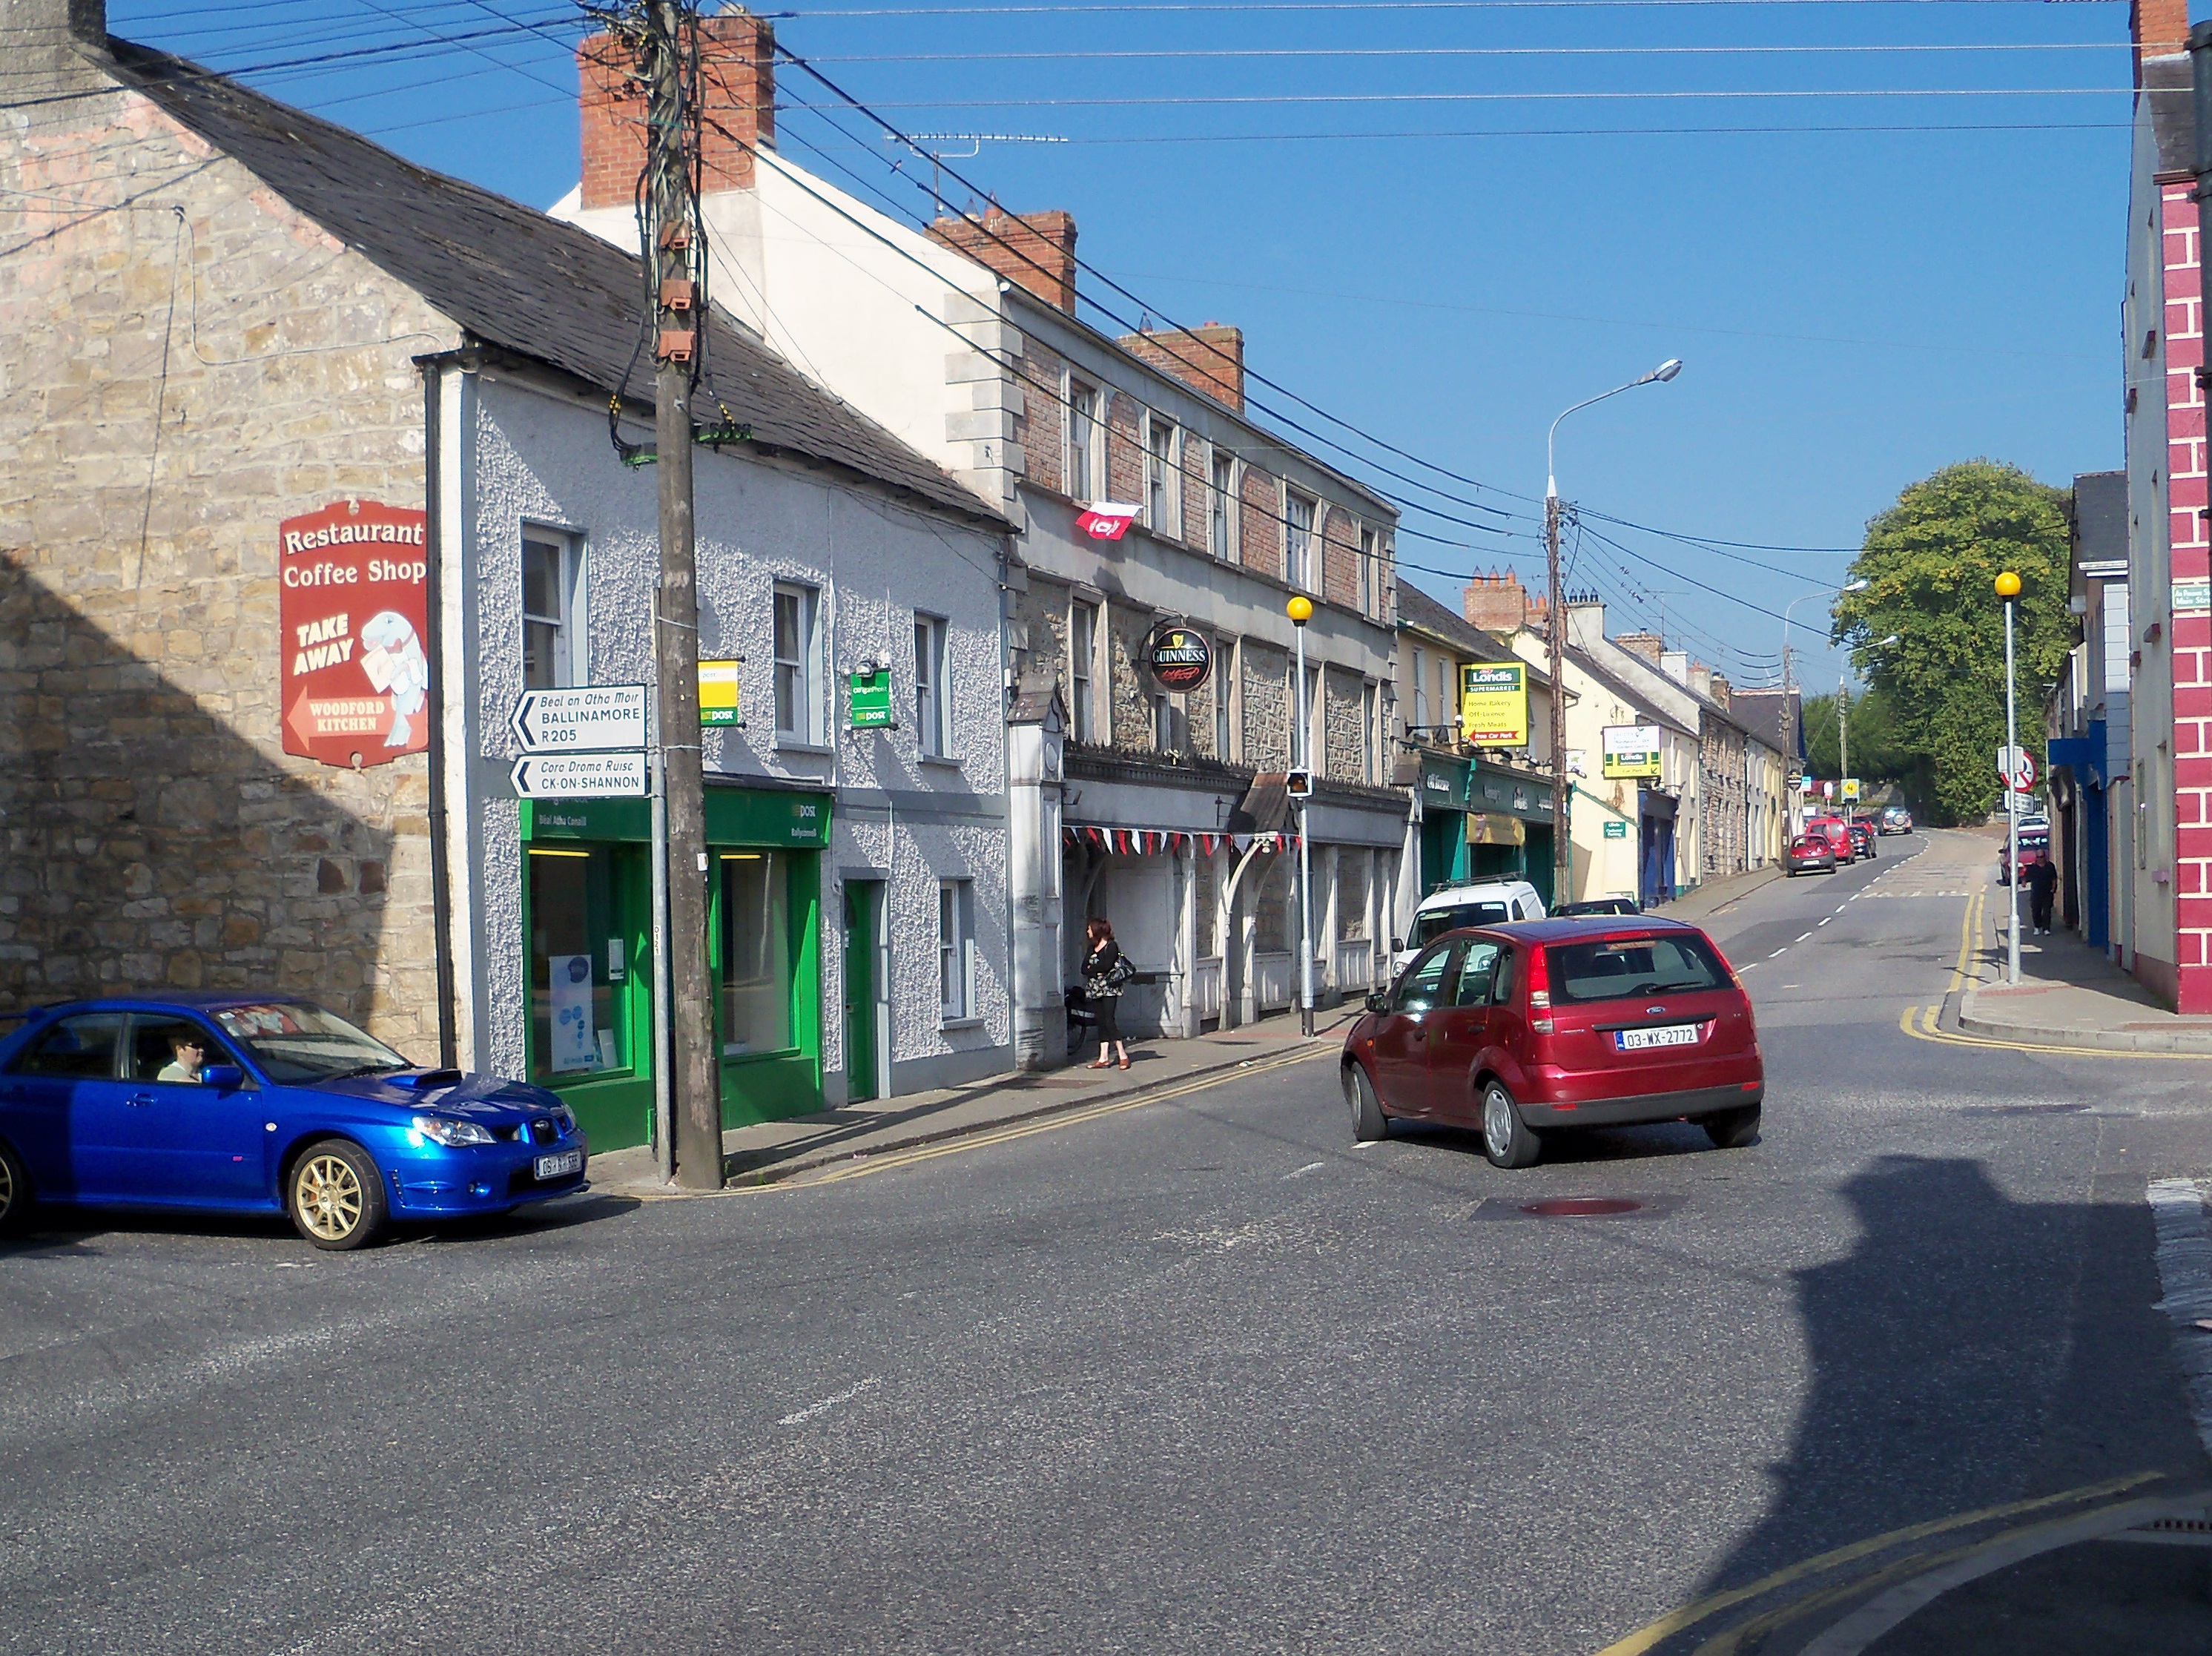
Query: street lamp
x,y
2008,586
1786,609
1300,610
1843,707
1556,636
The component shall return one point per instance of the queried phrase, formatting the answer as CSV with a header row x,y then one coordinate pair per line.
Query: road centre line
x,y
1047,1124
1799,938
1645,1638
800,1417
1310,1168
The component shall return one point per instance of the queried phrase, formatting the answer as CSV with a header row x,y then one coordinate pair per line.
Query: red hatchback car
x,y
1553,1025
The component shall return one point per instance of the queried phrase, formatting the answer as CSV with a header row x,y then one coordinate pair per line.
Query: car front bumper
x,y
483,1178
1696,1102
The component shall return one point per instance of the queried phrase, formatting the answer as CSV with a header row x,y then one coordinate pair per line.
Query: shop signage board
x,y
1493,704
718,694
579,776
1616,831
2192,596
872,699
587,719
1178,657
1631,751
352,616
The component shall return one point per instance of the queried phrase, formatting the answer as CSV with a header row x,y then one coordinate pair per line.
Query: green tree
x,y
1930,562
1877,754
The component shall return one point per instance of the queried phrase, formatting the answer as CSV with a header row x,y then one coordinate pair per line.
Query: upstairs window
x,y
1297,540
798,664
1221,509
1162,496
552,658
1082,440
929,685
1367,574
1082,652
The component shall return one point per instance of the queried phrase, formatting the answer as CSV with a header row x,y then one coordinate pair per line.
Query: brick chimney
x,y
1210,356
1701,679
736,72
1034,250
43,35
2159,28
1646,646
1722,692
1497,603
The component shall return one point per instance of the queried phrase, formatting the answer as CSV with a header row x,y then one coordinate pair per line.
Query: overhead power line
x,y
1335,53
1222,100
1159,8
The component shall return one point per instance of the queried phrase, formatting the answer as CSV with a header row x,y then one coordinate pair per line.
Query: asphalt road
x,y
1198,1376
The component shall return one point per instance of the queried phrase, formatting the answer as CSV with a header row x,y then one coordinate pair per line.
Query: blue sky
x,y
1855,307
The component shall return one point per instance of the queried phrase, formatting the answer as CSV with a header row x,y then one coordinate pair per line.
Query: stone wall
x,y
1344,745
1130,688
184,372
1265,688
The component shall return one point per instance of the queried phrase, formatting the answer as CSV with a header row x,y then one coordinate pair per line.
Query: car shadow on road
x,y
1972,1350
82,1233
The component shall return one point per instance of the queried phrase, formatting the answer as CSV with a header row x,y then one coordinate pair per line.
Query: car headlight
x,y
452,1132
565,1119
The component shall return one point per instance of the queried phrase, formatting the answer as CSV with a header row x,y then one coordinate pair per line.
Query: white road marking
x,y
1310,1168
1801,937
828,1403
1779,952
1825,921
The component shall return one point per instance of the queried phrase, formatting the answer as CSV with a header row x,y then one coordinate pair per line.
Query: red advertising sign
x,y
353,614
1106,520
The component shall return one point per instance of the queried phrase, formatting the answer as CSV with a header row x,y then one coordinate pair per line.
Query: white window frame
x,y
1162,475
1226,701
1083,403
1368,585
802,672
1223,495
956,951
1298,538
1370,707
932,681
572,662
1420,720
1083,669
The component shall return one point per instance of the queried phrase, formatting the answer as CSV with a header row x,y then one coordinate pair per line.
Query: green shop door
x,y
864,900
761,915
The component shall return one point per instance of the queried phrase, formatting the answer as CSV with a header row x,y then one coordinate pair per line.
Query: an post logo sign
x,y
353,616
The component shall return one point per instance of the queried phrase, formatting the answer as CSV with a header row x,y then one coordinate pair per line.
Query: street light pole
x,y
2008,586
1300,610
1563,846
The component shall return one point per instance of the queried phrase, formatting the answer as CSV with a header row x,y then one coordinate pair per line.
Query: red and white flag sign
x,y
353,616
1106,520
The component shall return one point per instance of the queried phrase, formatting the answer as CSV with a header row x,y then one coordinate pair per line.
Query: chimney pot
x,y
1210,356
1036,250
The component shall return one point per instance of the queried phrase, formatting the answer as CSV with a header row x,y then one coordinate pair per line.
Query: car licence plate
x,y
1631,1040
560,1166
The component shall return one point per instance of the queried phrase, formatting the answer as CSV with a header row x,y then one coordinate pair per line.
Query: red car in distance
x,y
1554,1025
1811,854
1836,833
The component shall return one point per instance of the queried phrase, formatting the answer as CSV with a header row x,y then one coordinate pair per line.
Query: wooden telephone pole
x,y
673,251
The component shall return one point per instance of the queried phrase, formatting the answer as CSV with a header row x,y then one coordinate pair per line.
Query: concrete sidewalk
x,y
2069,995
1701,901
769,1151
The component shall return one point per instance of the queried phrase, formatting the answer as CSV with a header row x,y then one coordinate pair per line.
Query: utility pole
x,y
2008,586
672,250
1842,743
1563,843
1300,610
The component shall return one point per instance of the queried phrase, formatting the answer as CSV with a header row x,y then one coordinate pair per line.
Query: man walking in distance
x,y
2042,878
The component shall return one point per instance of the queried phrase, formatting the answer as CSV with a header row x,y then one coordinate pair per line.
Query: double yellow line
x,y
1054,1123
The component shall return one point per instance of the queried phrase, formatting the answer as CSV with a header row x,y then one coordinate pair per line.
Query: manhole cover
x,y
1580,1207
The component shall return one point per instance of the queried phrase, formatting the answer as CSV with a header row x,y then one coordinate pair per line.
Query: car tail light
x,y
1540,990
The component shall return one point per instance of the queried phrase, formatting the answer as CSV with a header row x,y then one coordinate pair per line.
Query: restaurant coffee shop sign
x,y
353,616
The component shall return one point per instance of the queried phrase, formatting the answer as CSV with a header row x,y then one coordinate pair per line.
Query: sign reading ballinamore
x,y
585,719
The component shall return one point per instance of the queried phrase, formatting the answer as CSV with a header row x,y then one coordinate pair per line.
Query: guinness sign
x,y
1178,657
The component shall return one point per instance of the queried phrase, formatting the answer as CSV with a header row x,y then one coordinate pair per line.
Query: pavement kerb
x,y
926,1133
1972,1020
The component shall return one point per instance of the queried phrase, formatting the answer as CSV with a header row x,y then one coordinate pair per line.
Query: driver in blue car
x,y
188,1058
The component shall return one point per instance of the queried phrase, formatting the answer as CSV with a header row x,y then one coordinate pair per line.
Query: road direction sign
x,y
579,776
588,719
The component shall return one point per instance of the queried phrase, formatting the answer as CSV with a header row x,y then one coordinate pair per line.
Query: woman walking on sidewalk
x,y
1106,971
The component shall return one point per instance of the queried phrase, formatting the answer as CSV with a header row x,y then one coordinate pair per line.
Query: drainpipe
x,y
441,896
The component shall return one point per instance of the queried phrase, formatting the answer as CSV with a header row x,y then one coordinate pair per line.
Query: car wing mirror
x,y
1397,945
223,1077
1379,1002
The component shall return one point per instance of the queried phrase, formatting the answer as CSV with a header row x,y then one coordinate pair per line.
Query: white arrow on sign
x,y
587,719
579,776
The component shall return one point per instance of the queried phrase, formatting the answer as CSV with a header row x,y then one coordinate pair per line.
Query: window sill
x,y
947,1025
732,1060
945,761
793,744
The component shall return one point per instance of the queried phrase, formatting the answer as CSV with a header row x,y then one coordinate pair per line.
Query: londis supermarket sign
x,y
353,620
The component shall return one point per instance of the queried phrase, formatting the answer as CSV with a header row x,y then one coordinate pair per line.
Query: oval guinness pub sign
x,y
1178,657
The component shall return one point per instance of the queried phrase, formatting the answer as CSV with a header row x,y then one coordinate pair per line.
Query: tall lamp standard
x,y
2008,584
1786,609
1562,845
1300,610
1843,723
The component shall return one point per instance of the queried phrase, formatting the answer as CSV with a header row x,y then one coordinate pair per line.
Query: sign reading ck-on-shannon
x,y
353,612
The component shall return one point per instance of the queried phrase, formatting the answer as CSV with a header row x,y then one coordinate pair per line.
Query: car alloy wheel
x,y
15,1191
335,1196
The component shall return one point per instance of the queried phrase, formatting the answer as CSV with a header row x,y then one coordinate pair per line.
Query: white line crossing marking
x,y
1310,1168
803,1415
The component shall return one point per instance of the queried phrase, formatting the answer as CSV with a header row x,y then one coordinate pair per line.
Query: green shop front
x,y
1441,781
1508,827
587,914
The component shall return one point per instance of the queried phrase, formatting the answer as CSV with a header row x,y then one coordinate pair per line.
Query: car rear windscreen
x,y
1435,922
1617,968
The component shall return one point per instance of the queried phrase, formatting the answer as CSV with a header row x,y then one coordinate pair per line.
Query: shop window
x,y
756,953
956,949
930,663
798,664
552,623
579,956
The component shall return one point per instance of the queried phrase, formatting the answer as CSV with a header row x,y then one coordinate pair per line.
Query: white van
x,y
1484,903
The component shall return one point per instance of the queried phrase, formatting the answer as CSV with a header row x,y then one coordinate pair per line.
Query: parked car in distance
x,y
1590,905
1811,854
2033,843
1525,1031
1479,903
1862,840
1896,820
264,1104
1836,833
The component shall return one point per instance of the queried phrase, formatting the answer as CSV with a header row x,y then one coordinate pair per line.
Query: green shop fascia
x,y
587,914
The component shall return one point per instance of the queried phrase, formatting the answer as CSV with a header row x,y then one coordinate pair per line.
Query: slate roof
x,y
1647,713
1417,609
516,279
2166,86
1776,717
2101,517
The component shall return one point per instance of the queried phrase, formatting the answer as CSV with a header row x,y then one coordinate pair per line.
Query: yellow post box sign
x,y
1493,704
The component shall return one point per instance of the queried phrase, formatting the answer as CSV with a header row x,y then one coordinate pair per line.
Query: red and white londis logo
x,y
1106,520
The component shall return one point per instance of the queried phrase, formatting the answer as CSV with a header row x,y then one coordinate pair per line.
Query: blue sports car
x,y
262,1103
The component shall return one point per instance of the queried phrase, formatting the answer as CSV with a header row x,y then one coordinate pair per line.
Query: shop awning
x,y
1164,842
